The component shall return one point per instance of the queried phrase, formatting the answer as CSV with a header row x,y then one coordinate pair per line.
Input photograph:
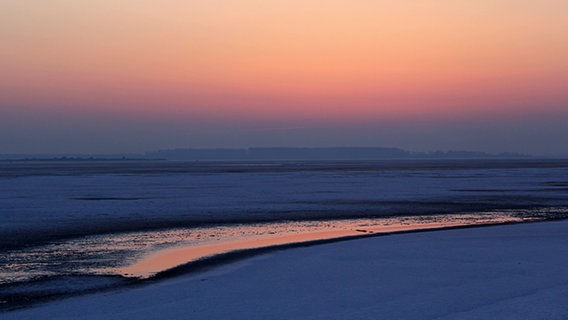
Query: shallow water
x,y
127,253
240,237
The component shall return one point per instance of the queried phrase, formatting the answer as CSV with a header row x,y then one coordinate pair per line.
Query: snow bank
x,y
504,272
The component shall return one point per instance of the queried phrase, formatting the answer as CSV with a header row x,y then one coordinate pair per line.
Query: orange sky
x,y
313,60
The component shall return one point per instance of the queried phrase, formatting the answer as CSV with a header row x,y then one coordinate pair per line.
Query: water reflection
x,y
143,254
241,237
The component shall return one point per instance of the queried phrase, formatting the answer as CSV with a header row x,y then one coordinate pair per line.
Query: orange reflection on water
x,y
170,258
271,234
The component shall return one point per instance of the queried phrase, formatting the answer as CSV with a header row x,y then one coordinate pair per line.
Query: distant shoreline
x,y
77,159
268,153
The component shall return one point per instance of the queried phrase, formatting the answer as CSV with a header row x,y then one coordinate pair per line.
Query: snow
x,y
504,272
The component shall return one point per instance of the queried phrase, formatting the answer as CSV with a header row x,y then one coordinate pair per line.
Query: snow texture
x,y
504,272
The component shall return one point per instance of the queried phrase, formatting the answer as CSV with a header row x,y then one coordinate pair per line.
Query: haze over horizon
x,y
133,76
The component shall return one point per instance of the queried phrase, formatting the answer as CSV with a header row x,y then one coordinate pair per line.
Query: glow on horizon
x,y
313,60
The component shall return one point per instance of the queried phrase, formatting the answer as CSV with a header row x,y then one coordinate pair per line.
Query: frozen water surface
x,y
42,201
83,223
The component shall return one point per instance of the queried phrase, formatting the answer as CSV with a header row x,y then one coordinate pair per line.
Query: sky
x,y
116,76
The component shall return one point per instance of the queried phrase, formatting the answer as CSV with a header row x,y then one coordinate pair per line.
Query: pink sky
x,y
248,64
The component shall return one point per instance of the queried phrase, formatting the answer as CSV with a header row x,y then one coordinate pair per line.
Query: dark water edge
x,y
343,209
28,294
13,240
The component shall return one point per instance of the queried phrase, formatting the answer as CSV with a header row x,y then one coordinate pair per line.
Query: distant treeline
x,y
338,153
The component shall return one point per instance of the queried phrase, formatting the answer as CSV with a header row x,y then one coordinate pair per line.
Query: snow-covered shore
x,y
503,272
